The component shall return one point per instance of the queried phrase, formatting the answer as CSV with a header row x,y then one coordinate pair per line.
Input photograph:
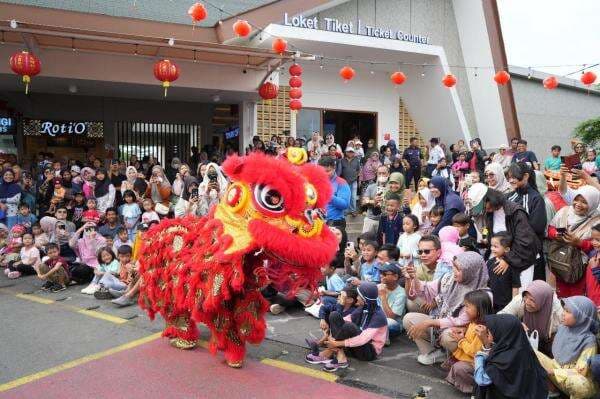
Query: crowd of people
x,y
489,267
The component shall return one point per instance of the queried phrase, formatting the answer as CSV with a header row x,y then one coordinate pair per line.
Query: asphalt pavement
x,y
55,339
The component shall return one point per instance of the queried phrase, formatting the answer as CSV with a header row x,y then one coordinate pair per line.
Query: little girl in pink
x,y
449,237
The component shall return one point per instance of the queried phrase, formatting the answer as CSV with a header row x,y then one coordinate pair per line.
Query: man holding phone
x,y
372,199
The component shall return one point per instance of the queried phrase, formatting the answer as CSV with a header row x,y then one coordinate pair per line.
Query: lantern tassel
x,y
166,86
26,80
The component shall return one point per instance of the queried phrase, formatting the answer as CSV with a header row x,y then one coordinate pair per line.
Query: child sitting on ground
x,y
121,239
462,223
91,215
29,256
12,249
505,285
40,238
408,243
76,208
25,217
55,270
369,268
361,334
392,297
330,291
107,274
449,238
435,217
129,275
149,214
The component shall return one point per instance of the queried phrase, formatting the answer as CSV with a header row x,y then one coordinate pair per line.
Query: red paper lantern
x,y
347,73
242,28
268,91
295,70
587,78
197,12
449,80
166,71
295,81
295,105
550,83
279,45
502,77
398,78
25,64
295,93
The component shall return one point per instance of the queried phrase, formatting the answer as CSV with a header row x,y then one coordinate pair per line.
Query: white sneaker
x,y
276,308
436,356
90,289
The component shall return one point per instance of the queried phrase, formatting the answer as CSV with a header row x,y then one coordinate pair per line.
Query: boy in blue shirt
x,y
369,269
25,217
553,162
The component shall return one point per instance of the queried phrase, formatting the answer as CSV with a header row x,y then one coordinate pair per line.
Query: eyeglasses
x,y
424,251
488,175
61,211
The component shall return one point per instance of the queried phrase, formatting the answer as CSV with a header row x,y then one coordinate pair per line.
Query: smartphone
x,y
350,244
561,231
194,192
380,190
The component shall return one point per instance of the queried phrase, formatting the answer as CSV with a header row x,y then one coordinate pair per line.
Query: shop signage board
x,y
42,127
7,125
353,28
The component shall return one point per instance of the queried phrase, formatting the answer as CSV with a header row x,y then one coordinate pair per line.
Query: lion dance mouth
x,y
267,229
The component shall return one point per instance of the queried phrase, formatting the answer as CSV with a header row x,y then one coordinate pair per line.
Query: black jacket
x,y
533,203
526,244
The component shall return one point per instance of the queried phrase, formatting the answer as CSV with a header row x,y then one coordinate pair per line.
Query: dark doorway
x,y
346,125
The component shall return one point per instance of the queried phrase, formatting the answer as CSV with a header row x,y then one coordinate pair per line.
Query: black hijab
x,y
512,365
102,186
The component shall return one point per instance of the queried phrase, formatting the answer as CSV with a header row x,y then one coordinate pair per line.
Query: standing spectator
x,y
435,154
159,189
134,181
372,199
503,157
340,199
370,148
350,172
447,199
104,191
316,148
10,196
590,163
330,140
130,213
444,171
553,162
592,273
495,178
514,143
525,156
116,178
386,156
211,189
477,156
368,173
28,191
408,242
505,285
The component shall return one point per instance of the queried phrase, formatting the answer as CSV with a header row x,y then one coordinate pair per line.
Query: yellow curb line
x,y
34,298
77,362
294,368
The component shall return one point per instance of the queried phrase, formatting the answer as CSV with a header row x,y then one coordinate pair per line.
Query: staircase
x,y
354,226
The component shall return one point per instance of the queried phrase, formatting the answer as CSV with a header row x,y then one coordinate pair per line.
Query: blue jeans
x,y
394,327
353,189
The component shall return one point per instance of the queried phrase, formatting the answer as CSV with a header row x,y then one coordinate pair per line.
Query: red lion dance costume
x,y
210,270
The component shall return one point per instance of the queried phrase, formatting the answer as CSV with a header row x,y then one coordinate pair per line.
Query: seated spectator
x,y
422,208
104,191
408,243
129,275
553,162
539,309
592,273
361,334
106,275
25,217
87,248
469,274
333,282
54,270
130,213
10,197
446,198
29,257
443,170
121,239
590,163
435,217
388,253
504,285
12,250
75,209
369,269
463,223
353,254
40,238
507,367
478,304
390,223
524,156
392,296
496,179
91,214
449,238
573,347
111,224
149,214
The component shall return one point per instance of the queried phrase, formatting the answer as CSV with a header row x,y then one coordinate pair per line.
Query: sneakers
x,y
47,285
102,293
436,356
276,308
14,274
123,301
316,359
334,366
57,288
6,271
90,289
116,293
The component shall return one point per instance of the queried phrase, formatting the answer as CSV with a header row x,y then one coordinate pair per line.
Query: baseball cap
x,y
350,149
75,169
393,267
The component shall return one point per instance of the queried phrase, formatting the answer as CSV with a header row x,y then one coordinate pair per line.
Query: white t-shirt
x,y
499,221
435,154
30,256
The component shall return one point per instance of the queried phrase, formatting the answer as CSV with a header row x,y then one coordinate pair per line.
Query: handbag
x,y
534,339
566,261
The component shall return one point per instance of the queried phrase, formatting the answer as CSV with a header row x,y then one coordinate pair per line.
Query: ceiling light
x,y
72,89
216,98
171,41
13,23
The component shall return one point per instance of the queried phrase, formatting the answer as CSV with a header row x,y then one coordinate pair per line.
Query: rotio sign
x,y
334,25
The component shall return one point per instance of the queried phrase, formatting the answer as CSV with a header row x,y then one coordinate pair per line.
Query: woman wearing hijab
x,y
10,196
368,173
159,190
448,293
361,334
87,175
539,309
211,189
104,191
572,225
395,186
574,345
392,146
421,209
172,169
446,198
134,182
507,367
495,178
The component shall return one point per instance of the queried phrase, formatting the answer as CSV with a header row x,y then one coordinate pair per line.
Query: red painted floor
x,y
155,370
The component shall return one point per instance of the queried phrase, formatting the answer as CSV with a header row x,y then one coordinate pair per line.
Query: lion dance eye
x,y
268,198
311,195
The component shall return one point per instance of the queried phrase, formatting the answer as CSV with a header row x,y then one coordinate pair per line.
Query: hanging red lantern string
x,y
295,70
197,13
166,71
295,105
295,93
242,28
588,78
279,45
347,73
398,78
550,83
295,81
268,91
502,77
449,80
27,65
